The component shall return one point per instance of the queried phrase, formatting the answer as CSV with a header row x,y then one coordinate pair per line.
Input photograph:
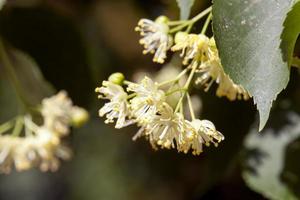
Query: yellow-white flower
x,y
156,39
211,71
148,98
40,145
42,149
231,90
201,51
192,46
166,129
117,107
205,133
49,149
59,113
7,144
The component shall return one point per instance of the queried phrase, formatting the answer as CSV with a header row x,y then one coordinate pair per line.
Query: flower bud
x,y
180,37
79,116
116,78
162,19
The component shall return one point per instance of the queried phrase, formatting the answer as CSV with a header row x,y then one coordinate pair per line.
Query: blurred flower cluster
x,y
25,144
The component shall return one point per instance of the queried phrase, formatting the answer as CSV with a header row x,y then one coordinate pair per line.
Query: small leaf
x,y
185,8
265,159
248,35
34,86
31,85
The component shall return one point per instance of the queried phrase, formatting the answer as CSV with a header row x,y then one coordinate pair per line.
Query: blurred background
x,y
79,43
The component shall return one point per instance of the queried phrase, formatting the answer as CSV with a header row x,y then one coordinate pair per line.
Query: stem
x,y
189,28
206,24
174,91
175,79
18,126
190,106
181,109
11,75
32,127
28,132
178,28
191,21
202,14
131,95
186,86
125,82
6,126
188,82
174,23
179,104
172,86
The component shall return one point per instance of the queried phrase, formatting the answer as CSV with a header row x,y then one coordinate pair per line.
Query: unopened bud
x,y
162,19
116,78
180,37
79,116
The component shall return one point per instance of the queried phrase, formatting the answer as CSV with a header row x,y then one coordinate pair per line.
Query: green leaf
x,y
8,99
290,33
185,8
248,35
31,85
266,157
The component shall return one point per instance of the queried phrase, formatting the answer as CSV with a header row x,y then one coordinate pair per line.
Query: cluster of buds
x,y
41,145
145,105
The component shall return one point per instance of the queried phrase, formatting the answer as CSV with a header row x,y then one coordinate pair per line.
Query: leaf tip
x,y
264,112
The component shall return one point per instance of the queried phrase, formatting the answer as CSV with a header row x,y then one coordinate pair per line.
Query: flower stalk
x,y
191,22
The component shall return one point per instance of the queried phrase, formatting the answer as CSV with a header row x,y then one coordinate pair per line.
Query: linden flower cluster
x,y
201,52
197,51
144,104
40,145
